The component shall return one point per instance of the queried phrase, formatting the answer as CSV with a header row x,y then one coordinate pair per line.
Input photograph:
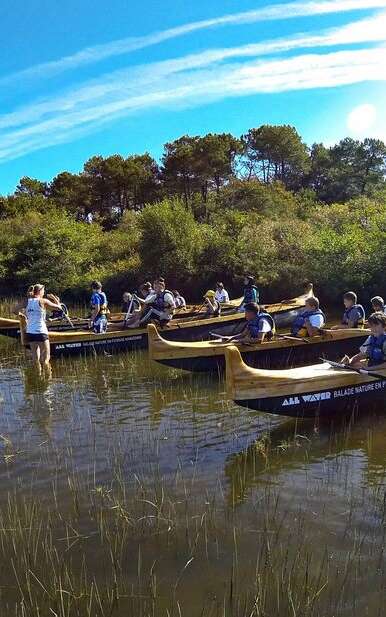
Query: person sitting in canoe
x,y
98,303
354,314
260,325
129,302
58,313
373,350
251,293
159,305
378,304
213,307
179,300
310,321
222,295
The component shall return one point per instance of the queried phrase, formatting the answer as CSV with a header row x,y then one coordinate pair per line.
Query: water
x,y
131,489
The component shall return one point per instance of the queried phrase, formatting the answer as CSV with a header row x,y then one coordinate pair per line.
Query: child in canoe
x,y
260,325
373,350
310,321
354,314
378,304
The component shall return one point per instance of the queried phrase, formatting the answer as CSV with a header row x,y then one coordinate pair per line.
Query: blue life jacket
x,y
376,354
346,315
300,320
254,325
251,294
101,303
159,302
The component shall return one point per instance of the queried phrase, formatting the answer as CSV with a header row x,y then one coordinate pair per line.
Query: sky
x,y
94,77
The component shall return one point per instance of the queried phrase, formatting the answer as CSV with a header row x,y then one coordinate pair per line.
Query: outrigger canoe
x,y
11,328
315,390
280,352
285,312
75,342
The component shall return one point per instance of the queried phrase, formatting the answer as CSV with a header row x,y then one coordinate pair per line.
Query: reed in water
x,y
145,540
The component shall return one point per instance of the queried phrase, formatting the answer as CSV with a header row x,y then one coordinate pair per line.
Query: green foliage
x,y
275,153
170,239
216,207
271,200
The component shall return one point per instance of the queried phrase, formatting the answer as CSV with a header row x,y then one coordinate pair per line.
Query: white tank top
x,y
36,317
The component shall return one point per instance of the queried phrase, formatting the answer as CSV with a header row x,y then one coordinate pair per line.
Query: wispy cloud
x,y
119,47
129,81
199,78
204,85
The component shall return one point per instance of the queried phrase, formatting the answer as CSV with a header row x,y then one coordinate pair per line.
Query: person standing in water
x,y
98,303
36,330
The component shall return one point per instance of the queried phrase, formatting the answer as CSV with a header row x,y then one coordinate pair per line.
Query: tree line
x,y
214,207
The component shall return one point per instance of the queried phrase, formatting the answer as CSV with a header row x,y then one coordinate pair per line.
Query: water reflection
x,y
164,458
295,444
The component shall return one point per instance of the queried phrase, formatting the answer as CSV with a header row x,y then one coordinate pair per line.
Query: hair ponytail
x,y
33,290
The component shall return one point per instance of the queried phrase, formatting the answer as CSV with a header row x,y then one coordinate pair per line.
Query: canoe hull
x,y
321,403
78,342
138,340
317,390
278,358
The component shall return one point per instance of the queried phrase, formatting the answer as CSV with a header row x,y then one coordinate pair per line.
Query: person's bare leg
x,y
45,352
35,352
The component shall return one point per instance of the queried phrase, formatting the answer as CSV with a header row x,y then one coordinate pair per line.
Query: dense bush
x,y
216,207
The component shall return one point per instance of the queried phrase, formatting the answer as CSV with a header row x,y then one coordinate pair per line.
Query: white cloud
x,y
98,53
194,88
130,81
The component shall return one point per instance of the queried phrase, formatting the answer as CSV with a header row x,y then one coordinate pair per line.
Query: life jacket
x,y
375,353
361,311
159,302
298,328
251,294
102,304
254,325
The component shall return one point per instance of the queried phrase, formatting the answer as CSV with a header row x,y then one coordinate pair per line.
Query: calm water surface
x,y
170,500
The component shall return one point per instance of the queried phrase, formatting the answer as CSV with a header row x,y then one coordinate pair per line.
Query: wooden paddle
x,y
361,371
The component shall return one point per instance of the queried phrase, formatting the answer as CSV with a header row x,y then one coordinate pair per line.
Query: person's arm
x,y
362,355
210,305
226,296
149,299
50,304
313,325
95,309
169,302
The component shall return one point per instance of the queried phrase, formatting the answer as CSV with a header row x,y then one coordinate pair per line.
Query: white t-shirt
x,y
264,325
222,296
316,321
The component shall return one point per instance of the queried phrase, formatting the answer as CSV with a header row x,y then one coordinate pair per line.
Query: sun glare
x,y
361,118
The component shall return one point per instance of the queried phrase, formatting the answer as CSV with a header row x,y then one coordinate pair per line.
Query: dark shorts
x,y
36,338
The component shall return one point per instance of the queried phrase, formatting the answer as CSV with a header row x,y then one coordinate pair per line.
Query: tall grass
x,y
145,543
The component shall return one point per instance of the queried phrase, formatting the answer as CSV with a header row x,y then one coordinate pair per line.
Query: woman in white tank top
x,y
37,332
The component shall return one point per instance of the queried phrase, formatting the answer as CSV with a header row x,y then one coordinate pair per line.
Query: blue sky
x,y
93,77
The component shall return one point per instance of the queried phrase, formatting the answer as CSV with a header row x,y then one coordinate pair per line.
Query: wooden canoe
x,y
280,352
284,312
72,342
315,390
